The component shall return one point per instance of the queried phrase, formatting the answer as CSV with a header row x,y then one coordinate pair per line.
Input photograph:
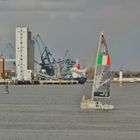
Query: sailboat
x,y
100,95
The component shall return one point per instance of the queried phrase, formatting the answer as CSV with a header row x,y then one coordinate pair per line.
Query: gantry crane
x,y
8,53
48,62
66,63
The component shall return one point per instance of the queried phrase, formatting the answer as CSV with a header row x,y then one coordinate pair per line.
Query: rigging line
x,y
96,67
102,84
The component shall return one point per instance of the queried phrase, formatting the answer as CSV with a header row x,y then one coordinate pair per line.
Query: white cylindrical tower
x,y
120,76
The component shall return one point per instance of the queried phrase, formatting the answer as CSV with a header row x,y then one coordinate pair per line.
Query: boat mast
x,y
93,86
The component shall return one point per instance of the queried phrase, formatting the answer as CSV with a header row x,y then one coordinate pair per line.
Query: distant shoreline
x,y
124,80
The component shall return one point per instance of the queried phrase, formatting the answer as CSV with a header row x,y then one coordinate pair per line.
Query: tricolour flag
x,y
103,60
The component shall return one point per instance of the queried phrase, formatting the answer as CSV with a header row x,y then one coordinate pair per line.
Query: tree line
x,y
114,74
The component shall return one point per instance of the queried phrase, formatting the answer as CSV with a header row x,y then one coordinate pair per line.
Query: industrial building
x,y
20,70
2,68
24,54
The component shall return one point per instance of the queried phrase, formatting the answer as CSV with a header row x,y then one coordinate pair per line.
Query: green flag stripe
x,y
99,61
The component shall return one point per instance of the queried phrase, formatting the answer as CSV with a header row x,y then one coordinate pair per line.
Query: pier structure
x,y
15,82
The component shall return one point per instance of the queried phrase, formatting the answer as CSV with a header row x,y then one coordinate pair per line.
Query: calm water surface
x,y
52,112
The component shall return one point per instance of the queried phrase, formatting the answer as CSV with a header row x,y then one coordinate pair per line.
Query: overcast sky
x,y
76,25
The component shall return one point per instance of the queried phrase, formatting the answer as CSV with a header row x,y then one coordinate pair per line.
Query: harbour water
x,y
52,112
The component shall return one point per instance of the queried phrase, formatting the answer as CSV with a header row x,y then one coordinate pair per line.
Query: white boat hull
x,y
95,105
107,107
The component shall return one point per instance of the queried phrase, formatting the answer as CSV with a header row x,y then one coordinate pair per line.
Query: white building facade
x,y
24,54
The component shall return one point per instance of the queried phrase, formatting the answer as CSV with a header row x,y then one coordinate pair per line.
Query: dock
x,y
58,82
13,82
127,80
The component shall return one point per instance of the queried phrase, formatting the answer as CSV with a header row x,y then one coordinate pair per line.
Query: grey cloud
x,y
34,5
75,25
16,5
54,8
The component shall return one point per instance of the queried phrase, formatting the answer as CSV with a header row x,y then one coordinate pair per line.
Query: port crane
x,y
66,63
8,53
48,63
